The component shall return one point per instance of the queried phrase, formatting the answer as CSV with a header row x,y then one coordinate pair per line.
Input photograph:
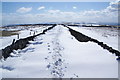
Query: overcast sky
x,y
38,12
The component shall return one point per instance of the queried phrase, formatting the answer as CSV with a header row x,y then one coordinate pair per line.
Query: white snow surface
x,y
57,54
107,35
22,34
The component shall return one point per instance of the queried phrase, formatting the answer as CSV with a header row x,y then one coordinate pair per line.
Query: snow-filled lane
x,y
58,54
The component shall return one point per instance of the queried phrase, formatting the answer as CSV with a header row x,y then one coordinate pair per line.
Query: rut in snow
x,y
83,38
56,62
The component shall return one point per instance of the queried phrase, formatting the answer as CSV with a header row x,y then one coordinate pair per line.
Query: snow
x,y
107,35
23,33
58,54
88,60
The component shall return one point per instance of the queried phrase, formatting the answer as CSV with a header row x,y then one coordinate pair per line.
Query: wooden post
x,y
30,32
13,41
34,33
18,36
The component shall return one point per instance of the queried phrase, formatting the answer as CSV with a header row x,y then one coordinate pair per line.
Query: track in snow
x,y
57,66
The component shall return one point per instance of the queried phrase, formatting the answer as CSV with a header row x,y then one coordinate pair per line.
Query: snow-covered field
x,y
58,54
107,35
23,33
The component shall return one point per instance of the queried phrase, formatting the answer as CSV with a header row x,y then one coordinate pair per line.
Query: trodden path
x,y
57,54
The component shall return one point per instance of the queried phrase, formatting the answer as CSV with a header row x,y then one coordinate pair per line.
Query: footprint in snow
x,y
48,45
48,48
49,52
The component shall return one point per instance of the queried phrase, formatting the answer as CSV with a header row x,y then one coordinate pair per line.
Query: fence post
x,y
30,32
13,41
18,36
34,33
